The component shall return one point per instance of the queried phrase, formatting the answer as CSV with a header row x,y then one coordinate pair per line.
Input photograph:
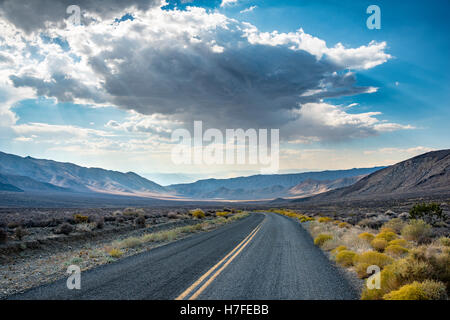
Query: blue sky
x,y
90,104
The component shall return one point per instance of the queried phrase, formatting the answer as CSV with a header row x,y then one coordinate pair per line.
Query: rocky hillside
x,y
424,174
310,186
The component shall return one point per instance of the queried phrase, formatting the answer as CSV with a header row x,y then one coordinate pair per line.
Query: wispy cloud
x,y
249,9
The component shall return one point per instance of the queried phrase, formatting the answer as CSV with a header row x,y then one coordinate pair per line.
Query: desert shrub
x,y
13,224
197,213
386,229
361,270
120,220
416,230
85,227
100,223
366,236
115,253
304,218
19,233
344,225
222,214
117,213
65,228
373,258
386,235
438,262
130,242
168,235
339,249
397,274
396,225
427,290
379,244
345,258
395,250
133,212
172,215
445,241
429,212
140,222
324,219
79,218
398,242
3,236
321,239
109,218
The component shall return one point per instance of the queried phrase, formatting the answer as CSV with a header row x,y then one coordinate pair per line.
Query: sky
x,y
109,90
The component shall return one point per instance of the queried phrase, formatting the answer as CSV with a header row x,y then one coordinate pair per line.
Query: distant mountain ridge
x,y
424,174
32,174
265,186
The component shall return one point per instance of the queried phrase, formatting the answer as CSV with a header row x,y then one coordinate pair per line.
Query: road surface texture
x,y
264,256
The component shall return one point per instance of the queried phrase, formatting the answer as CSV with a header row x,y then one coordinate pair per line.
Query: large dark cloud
x,y
31,15
193,65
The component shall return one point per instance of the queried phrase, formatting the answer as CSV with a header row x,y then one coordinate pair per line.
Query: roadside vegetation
x,y
414,264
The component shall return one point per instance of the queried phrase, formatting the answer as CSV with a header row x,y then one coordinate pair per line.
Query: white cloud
x,y
249,9
323,121
363,57
226,3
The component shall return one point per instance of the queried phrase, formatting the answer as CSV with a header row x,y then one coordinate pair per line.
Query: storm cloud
x,y
188,65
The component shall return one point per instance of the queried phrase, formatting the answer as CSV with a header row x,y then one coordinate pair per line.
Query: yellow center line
x,y
207,283
196,283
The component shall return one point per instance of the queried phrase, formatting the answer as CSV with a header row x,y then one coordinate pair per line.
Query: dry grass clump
x,y
366,236
115,253
321,239
222,214
445,241
291,214
399,242
133,212
161,236
387,235
130,242
65,228
345,258
373,258
344,225
395,250
416,230
172,215
427,290
79,218
379,244
396,225
324,219
339,249
197,213
237,216
140,222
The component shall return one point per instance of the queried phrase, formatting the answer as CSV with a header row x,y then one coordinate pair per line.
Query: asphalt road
x,y
264,256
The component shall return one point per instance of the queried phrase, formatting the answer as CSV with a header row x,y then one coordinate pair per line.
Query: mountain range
x,y
271,186
30,174
426,173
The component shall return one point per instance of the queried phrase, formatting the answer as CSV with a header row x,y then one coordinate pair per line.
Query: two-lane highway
x,y
264,256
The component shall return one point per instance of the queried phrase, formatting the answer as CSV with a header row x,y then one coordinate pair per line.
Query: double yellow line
x,y
228,258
